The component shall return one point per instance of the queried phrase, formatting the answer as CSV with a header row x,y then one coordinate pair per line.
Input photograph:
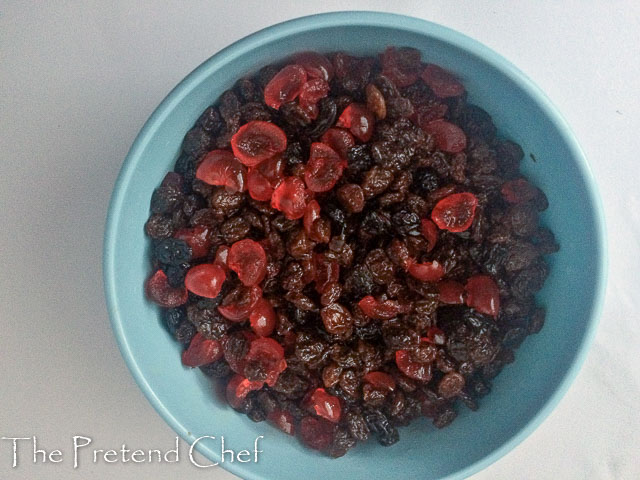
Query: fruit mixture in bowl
x,y
348,244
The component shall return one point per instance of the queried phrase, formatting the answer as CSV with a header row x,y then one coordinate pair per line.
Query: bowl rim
x,y
350,19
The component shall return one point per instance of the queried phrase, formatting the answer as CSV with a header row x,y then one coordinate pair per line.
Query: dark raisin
x,y
172,251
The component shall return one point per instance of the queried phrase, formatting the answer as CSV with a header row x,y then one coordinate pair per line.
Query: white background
x,y
78,80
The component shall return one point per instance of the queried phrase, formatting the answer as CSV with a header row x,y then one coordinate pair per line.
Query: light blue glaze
x,y
526,391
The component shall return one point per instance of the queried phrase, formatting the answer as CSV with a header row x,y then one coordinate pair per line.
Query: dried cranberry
x,y
443,83
290,198
259,186
198,238
340,140
483,294
282,420
435,335
518,191
427,271
220,168
201,351
257,141
315,64
359,120
379,310
323,169
239,311
381,380
316,433
263,318
205,280
455,212
312,91
325,405
238,388
451,292
248,259
269,356
222,255
412,369
158,289
429,232
449,137
285,86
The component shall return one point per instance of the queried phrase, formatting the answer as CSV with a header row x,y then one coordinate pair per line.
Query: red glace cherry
x,y
158,289
248,259
323,169
312,91
340,140
290,198
258,186
359,120
239,309
315,64
483,295
257,141
198,238
311,214
435,335
451,292
269,355
316,432
238,388
427,271
381,380
449,137
455,212
283,420
378,310
205,279
443,83
220,168
222,254
325,405
285,86
429,231
201,351
263,318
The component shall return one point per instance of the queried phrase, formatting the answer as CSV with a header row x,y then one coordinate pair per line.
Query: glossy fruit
x,y
222,255
311,214
518,191
269,355
327,271
315,64
483,294
412,369
283,420
258,186
427,271
312,91
449,137
257,141
285,86
443,83
381,380
158,289
359,120
316,433
325,405
323,169
340,140
263,318
401,69
198,238
240,310
220,168
201,351
379,310
205,280
455,212
451,292
238,388
435,335
290,198
429,231
248,259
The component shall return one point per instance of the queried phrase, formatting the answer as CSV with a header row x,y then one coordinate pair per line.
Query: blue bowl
x,y
523,394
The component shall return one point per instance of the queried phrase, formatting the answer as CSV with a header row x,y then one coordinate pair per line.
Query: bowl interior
x,y
522,395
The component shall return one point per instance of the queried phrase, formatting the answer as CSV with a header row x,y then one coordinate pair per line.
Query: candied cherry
x,y
444,84
268,355
324,168
448,137
429,231
290,198
455,212
198,238
451,292
311,214
205,279
316,432
427,271
238,388
381,380
411,368
315,64
238,311
158,289
325,405
518,191
257,141
248,259
483,294
340,140
378,310
220,168
435,335
400,66
258,186
283,420
326,272
285,86
201,351
222,254
359,120
263,318
273,169
312,91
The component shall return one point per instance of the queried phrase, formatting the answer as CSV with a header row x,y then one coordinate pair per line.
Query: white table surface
x,y
77,81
